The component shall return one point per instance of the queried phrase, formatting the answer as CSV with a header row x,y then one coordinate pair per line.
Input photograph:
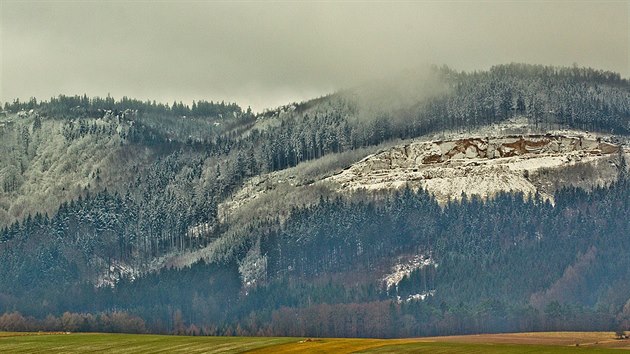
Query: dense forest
x,y
483,278
69,107
96,194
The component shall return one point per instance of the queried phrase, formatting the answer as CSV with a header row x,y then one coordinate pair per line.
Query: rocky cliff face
x,y
481,166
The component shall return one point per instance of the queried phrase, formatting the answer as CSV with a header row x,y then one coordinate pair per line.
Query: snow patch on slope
x,y
416,297
404,268
114,273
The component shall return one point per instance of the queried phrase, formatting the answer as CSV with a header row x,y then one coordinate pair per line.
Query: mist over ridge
x,y
268,54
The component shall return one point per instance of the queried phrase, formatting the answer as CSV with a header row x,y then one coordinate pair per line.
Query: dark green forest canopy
x,y
521,264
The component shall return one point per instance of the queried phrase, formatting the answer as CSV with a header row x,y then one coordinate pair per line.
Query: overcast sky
x,y
267,54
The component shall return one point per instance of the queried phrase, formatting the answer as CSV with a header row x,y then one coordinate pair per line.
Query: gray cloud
x,y
266,54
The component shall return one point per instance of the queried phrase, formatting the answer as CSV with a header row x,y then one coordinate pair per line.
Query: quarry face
x,y
483,166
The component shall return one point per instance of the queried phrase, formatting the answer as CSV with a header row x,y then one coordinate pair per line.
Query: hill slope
x,y
345,207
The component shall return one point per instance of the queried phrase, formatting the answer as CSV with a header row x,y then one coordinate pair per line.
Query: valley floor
x,y
544,342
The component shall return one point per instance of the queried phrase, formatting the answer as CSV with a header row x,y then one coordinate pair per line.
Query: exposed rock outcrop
x,y
475,166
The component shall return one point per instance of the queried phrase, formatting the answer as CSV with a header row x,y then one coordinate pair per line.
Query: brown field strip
x,y
509,342
544,342
588,339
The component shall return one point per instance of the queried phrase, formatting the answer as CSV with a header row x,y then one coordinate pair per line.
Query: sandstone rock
x,y
471,152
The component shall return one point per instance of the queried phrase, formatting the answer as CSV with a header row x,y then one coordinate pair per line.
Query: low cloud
x,y
266,54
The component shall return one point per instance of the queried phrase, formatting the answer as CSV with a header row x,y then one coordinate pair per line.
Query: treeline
x,y
386,319
108,322
376,319
94,107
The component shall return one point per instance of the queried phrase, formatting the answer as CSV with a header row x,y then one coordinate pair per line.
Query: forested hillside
x,y
99,197
530,266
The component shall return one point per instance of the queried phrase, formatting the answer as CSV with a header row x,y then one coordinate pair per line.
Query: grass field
x,y
548,342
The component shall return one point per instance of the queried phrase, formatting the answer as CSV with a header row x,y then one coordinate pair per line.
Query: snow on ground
x,y
115,272
405,267
476,166
199,230
416,297
512,126
253,189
